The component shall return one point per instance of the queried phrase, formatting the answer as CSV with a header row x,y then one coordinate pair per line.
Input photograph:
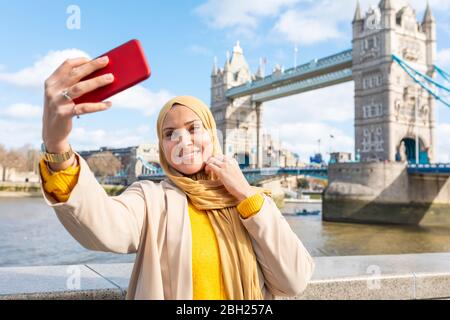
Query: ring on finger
x,y
65,94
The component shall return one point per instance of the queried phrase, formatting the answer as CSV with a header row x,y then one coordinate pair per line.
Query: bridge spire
x,y
428,16
358,15
227,62
237,48
214,69
261,73
386,5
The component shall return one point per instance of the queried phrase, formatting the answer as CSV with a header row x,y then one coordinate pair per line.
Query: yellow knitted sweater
x,y
206,267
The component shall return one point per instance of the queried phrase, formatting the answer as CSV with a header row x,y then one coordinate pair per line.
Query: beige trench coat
x,y
152,220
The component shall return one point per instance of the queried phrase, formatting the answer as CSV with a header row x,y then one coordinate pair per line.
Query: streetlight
x,y
246,152
331,142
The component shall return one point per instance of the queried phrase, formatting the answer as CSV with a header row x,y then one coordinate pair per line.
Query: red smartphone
x,y
129,66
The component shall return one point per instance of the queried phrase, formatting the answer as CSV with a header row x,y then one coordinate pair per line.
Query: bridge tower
x,y
239,121
385,96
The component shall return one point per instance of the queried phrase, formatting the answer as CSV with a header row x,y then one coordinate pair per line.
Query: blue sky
x,y
181,39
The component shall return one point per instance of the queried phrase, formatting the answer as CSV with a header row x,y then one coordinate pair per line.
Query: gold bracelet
x,y
56,157
75,161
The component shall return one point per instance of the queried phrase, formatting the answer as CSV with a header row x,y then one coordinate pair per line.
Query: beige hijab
x,y
238,260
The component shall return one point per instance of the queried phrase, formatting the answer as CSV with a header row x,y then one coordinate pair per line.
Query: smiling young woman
x,y
202,233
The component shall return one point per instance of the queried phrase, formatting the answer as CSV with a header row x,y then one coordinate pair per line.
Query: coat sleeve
x,y
285,263
97,221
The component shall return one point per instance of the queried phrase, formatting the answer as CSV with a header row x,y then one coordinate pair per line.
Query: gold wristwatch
x,y
56,157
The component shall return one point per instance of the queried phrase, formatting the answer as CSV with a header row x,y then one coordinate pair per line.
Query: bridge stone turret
x,y
391,114
386,98
239,120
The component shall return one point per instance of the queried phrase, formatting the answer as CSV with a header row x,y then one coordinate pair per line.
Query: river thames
x,y
31,235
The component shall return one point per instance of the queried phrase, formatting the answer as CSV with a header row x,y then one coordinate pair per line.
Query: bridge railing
x,y
255,175
434,168
305,85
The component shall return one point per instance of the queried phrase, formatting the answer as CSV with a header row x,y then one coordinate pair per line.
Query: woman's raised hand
x,y
60,88
229,172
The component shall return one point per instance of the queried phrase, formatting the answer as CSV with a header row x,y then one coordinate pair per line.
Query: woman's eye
x,y
168,134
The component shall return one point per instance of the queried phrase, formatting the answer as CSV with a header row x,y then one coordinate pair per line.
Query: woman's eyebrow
x,y
186,123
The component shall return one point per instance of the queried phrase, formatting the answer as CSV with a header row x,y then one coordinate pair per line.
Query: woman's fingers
x,y
64,69
85,108
81,71
83,87
212,168
215,162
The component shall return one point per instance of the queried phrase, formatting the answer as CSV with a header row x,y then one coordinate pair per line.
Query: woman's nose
x,y
186,137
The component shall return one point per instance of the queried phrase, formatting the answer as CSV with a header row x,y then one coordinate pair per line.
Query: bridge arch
x,y
243,158
406,150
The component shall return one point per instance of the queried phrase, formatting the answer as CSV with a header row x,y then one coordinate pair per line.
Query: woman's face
x,y
186,142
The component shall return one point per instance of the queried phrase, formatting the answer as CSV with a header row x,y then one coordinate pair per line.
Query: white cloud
x,y
304,22
313,22
35,75
311,116
137,98
302,138
22,111
443,147
143,129
240,14
141,99
296,27
335,104
443,58
15,134
85,139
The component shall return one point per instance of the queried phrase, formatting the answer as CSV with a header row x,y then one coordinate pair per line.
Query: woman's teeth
x,y
190,154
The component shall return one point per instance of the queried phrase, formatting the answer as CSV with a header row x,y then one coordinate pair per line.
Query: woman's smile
x,y
191,154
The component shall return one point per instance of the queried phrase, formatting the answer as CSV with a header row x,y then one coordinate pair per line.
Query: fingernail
x,y
104,59
108,103
109,77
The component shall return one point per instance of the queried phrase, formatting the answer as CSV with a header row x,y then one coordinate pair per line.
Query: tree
x,y
32,157
12,159
302,183
104,164
3,153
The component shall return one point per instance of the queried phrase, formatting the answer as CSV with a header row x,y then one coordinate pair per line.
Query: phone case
x,y
129,66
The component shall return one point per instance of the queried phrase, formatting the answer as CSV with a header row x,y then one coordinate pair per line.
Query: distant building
x,y
30,174
131,159
12,175
316,159
340,157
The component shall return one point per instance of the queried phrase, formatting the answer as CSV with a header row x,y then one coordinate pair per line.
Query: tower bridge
x,y
391,63
386,97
